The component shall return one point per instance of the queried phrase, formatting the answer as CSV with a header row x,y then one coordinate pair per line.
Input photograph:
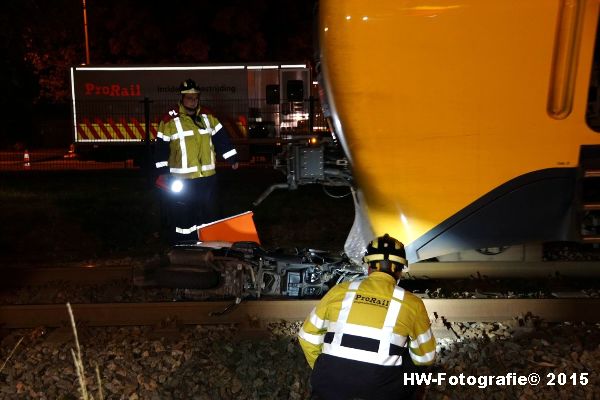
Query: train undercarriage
x,y
211,270
243,269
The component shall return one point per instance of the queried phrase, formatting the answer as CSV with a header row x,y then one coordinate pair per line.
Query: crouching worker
x,y
364,336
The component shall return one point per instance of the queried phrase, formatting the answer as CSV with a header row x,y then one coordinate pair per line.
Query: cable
x,y
335,196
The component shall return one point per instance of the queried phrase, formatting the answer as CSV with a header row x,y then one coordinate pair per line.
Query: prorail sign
x,y
134,89
112,90
108,106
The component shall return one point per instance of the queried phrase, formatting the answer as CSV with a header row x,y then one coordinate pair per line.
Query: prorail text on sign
x,y
115,89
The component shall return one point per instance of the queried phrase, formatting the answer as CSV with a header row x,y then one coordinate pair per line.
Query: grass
x,y
11,353
81,215
79,367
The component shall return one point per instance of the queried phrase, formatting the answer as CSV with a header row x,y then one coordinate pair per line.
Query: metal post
x,y
311,114
148,163
85,29
147,119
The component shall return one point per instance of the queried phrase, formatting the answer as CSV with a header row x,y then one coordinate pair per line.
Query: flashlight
x,y
176,186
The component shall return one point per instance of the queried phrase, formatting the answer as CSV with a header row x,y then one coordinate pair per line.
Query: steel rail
x,y
199,313
504,269
28,276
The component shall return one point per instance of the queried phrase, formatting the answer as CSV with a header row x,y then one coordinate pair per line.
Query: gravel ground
x,y
571,251
220,362
61,292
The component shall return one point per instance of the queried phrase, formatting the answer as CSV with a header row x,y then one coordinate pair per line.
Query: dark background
x,y
50,217
41,39
56,216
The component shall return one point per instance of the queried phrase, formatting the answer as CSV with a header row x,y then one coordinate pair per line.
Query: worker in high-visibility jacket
x,y
366,336
188,141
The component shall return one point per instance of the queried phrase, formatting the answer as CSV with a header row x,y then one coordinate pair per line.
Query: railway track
x,y
247,312
254,312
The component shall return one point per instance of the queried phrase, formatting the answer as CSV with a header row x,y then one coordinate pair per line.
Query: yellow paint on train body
x,y
440,102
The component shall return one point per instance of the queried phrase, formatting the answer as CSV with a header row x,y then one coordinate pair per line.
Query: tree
x,y
47,38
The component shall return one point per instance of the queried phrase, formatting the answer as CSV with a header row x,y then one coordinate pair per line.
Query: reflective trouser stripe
x,y
186,231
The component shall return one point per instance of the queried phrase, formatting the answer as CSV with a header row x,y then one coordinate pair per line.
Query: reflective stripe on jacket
x,y
191,152
369,320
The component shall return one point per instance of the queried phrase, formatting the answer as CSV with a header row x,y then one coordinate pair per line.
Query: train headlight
x,y
176,186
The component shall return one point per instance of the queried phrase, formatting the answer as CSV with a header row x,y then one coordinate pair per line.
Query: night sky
x,y
48,35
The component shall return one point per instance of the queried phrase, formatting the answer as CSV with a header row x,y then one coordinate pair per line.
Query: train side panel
x,y
446,109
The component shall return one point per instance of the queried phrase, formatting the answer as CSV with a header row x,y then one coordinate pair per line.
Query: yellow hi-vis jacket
x,y
187,144
369,320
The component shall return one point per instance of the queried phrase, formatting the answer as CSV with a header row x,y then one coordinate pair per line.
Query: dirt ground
x,y
49,217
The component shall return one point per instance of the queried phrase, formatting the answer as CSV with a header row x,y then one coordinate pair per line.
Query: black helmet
x,y
386,248
188,86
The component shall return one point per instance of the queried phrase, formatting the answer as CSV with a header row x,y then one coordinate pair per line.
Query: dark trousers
x,y
335,378
196,204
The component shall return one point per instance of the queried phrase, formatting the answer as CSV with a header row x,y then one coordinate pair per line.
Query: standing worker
x,y
365,335
187,143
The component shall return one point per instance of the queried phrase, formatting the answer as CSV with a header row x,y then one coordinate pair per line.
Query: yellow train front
x,y
468,123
